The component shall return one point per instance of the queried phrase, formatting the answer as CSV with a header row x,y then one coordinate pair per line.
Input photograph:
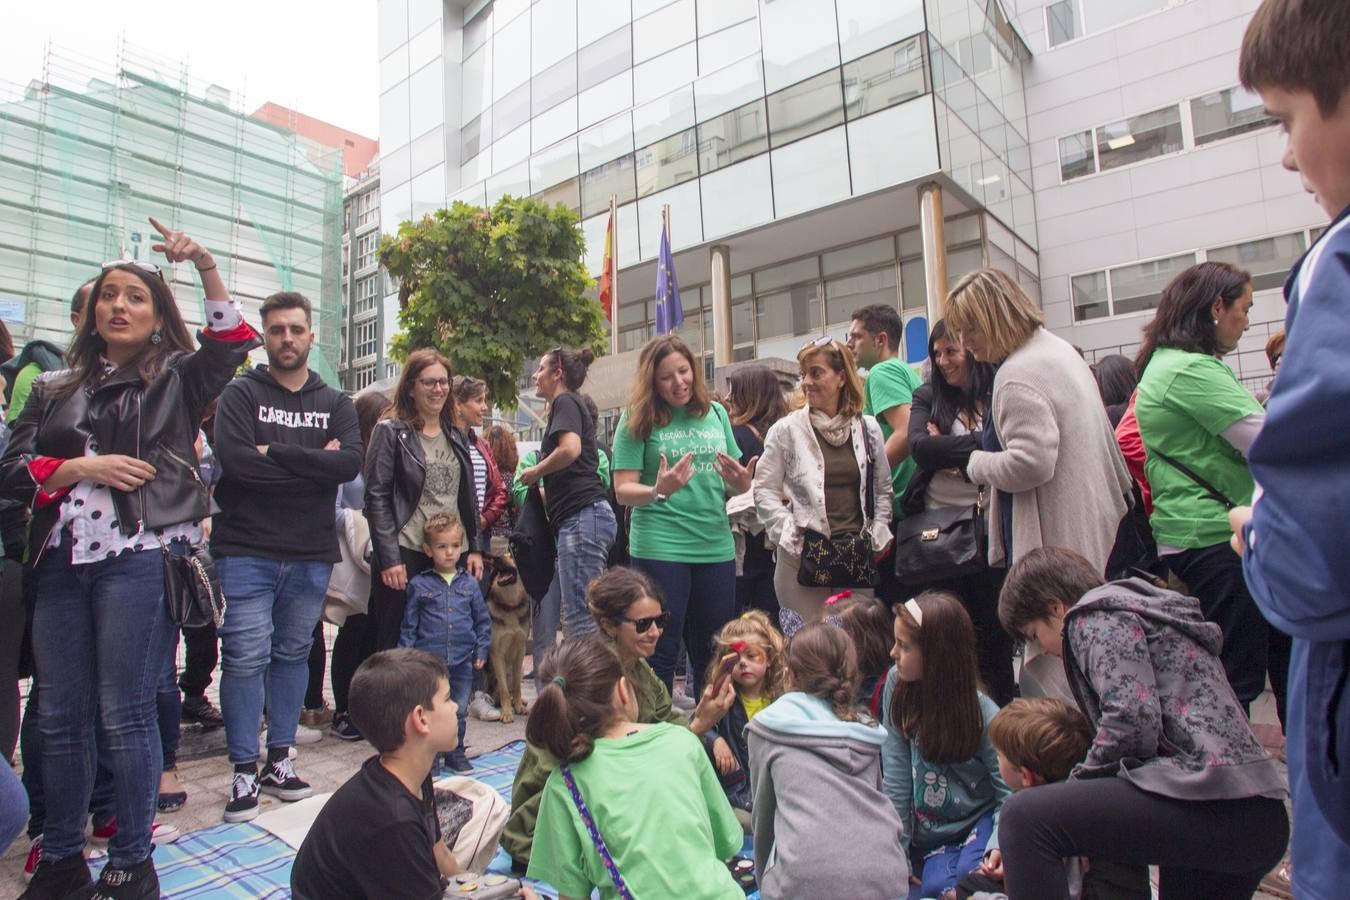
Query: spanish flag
x,y
607,276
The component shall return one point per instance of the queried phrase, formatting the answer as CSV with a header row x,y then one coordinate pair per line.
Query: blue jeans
x,y
264,647
461,685
701,598
13,806
545,625
939,870
169,708
584,539
100,635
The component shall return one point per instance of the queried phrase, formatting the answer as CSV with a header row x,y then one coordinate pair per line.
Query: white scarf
x,y
837,430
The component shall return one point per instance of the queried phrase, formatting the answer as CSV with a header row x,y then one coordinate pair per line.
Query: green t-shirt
x,y
23,386
1185,402
891,383
691,526
671,844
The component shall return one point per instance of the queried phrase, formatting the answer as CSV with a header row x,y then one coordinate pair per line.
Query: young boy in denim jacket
x,y
445,615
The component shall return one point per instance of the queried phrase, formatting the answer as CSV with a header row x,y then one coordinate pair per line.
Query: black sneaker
x,y
54,879
279,780
138,882
202,711
343,729
458,762
243,804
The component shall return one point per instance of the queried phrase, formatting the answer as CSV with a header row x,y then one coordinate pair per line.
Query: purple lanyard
x,y
596,839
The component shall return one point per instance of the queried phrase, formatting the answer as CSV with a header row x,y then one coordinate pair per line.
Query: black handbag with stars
x,y
845,561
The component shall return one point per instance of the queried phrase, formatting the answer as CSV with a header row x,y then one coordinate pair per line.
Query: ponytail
x,y
577,698
825,665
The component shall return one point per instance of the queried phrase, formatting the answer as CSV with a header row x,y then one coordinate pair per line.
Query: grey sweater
x,y
823,827
1059,460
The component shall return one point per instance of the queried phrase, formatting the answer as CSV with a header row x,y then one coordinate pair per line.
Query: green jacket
x,y
537,763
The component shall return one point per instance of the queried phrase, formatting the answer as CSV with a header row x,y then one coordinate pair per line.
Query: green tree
x,y
491,288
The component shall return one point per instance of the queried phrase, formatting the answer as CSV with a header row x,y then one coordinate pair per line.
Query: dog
x,y
509,606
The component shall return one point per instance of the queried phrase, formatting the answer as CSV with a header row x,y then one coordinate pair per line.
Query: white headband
x,y
912,606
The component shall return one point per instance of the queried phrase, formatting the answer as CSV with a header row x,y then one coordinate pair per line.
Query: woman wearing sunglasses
x,y
675,462
104,455
627,609
824,471
417,465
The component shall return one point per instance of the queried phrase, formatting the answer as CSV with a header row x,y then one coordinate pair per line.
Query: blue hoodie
x,y
1296,564
448,619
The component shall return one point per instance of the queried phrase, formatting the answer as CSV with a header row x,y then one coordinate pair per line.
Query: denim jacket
x,y
449,620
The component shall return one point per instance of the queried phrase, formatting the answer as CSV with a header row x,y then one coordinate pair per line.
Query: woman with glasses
x,y
578,510
626,608
104,455
824,470
675,462
415,469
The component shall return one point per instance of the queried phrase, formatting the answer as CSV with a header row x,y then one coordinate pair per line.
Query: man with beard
x,y
285,441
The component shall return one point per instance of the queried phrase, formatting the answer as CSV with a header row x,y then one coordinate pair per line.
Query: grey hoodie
x,y
823,827
1143,664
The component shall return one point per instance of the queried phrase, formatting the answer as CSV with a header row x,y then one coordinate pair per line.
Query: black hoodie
x,y
281,505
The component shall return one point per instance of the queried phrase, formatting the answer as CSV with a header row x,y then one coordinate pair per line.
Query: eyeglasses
x,y
432,384
138,263
643,625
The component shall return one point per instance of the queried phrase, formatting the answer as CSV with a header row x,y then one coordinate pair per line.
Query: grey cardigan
x,y
1060,460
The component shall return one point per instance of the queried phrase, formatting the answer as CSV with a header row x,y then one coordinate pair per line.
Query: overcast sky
x,y
316,56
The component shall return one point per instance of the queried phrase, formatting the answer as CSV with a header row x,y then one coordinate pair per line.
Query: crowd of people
x,y
790,612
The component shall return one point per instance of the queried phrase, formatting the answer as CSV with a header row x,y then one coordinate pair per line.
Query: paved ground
x,y
206,773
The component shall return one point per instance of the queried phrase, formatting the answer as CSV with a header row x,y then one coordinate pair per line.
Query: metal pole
x,y
614,275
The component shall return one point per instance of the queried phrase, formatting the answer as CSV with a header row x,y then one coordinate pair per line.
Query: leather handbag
x,y
192,591
943,543
845,561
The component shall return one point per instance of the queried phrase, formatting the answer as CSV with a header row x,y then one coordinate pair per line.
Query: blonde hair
x,y
646,409
754,627
840,358
991,303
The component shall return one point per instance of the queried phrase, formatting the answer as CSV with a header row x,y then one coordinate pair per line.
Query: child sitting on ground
x,y
1039,740
869,624
940,770
378,835
756,652
823,827
446,615
634,810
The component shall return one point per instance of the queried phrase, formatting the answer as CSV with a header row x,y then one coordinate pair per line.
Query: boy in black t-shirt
x,y
378,835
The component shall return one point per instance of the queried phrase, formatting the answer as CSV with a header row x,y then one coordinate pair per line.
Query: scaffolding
x,y
87,156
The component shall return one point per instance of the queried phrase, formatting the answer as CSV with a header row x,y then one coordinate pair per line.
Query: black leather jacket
x,y
157,423
396,468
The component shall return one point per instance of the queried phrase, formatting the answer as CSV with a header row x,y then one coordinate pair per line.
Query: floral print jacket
x,y
1143,665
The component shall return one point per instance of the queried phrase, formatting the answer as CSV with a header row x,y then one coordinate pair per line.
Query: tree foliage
x,y
492,288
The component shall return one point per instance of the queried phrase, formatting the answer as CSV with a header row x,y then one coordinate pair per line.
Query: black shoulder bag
x,y
847,561
192,591
942,543
533,546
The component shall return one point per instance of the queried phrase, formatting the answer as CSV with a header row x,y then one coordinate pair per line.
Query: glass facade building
x,y
87,157
765,126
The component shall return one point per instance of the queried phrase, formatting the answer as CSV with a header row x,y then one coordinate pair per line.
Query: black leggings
x,y
387,604
318,659
1205,849
354,642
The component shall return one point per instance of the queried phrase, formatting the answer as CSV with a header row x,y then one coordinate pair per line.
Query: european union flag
x,y
669,310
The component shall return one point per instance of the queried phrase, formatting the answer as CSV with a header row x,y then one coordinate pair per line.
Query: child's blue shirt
x,y
447,618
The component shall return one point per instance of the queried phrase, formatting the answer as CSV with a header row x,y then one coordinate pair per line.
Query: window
x,y
366,294
1226,113
806,108
476,135
883,79
512,111
367,208
1062,22
1075,156
554,85
844,295
666,163
733,136
363,377
365,250
605,58
1268,259
365,339
794,311
1124,289
599,183
1139,137
858,256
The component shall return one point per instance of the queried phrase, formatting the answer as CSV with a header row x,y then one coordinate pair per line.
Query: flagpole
x,y
614,275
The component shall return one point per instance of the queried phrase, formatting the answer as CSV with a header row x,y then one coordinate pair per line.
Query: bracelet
x,y
207,269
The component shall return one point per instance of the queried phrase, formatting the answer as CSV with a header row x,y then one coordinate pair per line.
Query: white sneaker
x,y
681,702
306,735
164,833
481,708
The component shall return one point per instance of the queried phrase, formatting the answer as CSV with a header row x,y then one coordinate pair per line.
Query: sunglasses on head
x,y
823,341
138,263
643,625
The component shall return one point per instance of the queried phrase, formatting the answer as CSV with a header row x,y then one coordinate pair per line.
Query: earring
x,y
156,337
1216,321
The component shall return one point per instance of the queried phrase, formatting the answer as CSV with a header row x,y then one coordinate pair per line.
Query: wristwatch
x,y
657,496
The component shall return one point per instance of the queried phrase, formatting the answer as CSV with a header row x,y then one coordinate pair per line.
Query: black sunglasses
x,y
643,625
